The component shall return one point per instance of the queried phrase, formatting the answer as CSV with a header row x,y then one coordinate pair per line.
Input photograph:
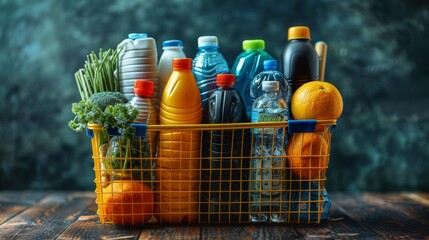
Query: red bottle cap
x,y
182,64
225,80
143,88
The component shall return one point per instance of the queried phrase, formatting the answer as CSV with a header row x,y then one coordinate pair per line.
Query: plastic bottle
x,y
300,60
178,164
207,63
137,60
270,73
171,49
142,100
246,66
143,91
224,183
269,161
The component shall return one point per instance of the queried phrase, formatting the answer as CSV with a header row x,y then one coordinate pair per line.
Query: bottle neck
x,y
175,48
270,69
208,48
143,96
299,40
226,87
271,94
181,70
253,50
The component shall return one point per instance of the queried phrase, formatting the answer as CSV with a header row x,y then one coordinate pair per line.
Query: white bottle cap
x,y
270,86
207,41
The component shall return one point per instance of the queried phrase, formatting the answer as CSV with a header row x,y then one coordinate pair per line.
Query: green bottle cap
x,y
256,44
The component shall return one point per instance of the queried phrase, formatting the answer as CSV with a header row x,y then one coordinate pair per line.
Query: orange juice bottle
x,y
179,151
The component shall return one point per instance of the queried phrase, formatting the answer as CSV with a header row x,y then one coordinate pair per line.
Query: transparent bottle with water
x,y
269,157
208,63
270,73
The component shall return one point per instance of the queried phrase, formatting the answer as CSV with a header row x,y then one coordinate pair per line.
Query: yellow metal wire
x,y
187,178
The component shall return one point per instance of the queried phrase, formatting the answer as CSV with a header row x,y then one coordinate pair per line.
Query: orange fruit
x,y
128,202
307,155
317,100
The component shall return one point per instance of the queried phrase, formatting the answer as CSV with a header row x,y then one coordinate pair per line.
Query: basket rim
x,y
220,126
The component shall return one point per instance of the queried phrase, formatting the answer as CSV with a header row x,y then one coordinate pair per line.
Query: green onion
x,y
97,73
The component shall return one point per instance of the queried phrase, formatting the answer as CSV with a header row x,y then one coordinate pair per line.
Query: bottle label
x,y
268,117
267,173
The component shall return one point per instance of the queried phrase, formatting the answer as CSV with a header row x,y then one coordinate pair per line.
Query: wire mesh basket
x,y
213,173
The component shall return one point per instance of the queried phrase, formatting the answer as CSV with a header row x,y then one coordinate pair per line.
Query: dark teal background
x,y
378,57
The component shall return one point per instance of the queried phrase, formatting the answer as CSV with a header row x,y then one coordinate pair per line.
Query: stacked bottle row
x,y
220,180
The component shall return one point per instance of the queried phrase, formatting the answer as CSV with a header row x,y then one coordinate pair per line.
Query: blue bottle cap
x,y
135,36
172,43
270,64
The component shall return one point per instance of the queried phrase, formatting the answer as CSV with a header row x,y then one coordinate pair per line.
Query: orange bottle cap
x,y
225,80
143,88
182,64
298,32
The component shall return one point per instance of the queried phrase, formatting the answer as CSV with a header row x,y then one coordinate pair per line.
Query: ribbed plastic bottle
x,y
270,73
269,157
300,61
246,66
224,172
171,49
207,63
178,164
137,60
143,91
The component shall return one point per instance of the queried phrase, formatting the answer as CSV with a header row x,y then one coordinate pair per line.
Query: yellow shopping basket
x,y
213,173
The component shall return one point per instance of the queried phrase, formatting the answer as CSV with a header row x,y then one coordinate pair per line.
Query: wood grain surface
x,y
73,215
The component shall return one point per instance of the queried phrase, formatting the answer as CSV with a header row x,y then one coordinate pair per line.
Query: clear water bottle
x,y
246,66
270,73
269,162
171,49
208,63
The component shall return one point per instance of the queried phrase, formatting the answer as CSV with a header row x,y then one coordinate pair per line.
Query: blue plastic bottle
x,y
270,73
207,63
246,66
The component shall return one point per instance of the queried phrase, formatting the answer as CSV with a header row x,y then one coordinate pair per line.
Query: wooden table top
x,y
72,215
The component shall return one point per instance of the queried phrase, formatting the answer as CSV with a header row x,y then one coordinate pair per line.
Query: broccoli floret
x,y
104,99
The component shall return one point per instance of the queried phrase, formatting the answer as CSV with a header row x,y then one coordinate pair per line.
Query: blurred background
x,y
377,57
